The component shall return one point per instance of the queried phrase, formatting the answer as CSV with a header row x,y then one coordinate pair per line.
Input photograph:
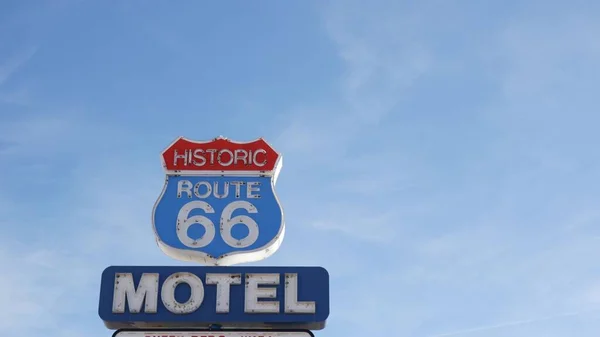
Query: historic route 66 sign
x,y
218,205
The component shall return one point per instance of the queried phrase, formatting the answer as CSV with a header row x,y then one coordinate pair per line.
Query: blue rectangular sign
x,y
284,297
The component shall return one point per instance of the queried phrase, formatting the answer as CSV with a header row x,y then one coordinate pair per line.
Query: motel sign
x,y
218,207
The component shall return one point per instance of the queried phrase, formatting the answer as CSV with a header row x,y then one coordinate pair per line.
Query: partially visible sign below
x,y
198,297
213,333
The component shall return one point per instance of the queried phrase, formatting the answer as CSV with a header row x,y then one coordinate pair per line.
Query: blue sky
x,y
440,156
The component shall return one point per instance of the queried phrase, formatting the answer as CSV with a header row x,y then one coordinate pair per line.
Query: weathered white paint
x,y
218,189
228,222
292,305
147,293
253,293
184,221
223,282
124,290
167,293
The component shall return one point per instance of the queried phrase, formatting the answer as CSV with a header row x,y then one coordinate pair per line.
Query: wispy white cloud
x,y
545,56
44,285
49,286
359,222
103,217
515,250
19,96
382,57
23,135
12,64
503,325
9,67
383,52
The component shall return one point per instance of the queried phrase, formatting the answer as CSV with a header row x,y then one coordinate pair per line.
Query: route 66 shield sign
x,y
218,205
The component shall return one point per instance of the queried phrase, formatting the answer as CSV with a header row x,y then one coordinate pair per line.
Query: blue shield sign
x,y
218,205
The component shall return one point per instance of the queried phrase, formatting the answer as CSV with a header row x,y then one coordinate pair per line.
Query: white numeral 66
x,y
184,221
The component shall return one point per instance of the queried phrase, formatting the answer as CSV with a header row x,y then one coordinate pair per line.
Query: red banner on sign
x,y
220,154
